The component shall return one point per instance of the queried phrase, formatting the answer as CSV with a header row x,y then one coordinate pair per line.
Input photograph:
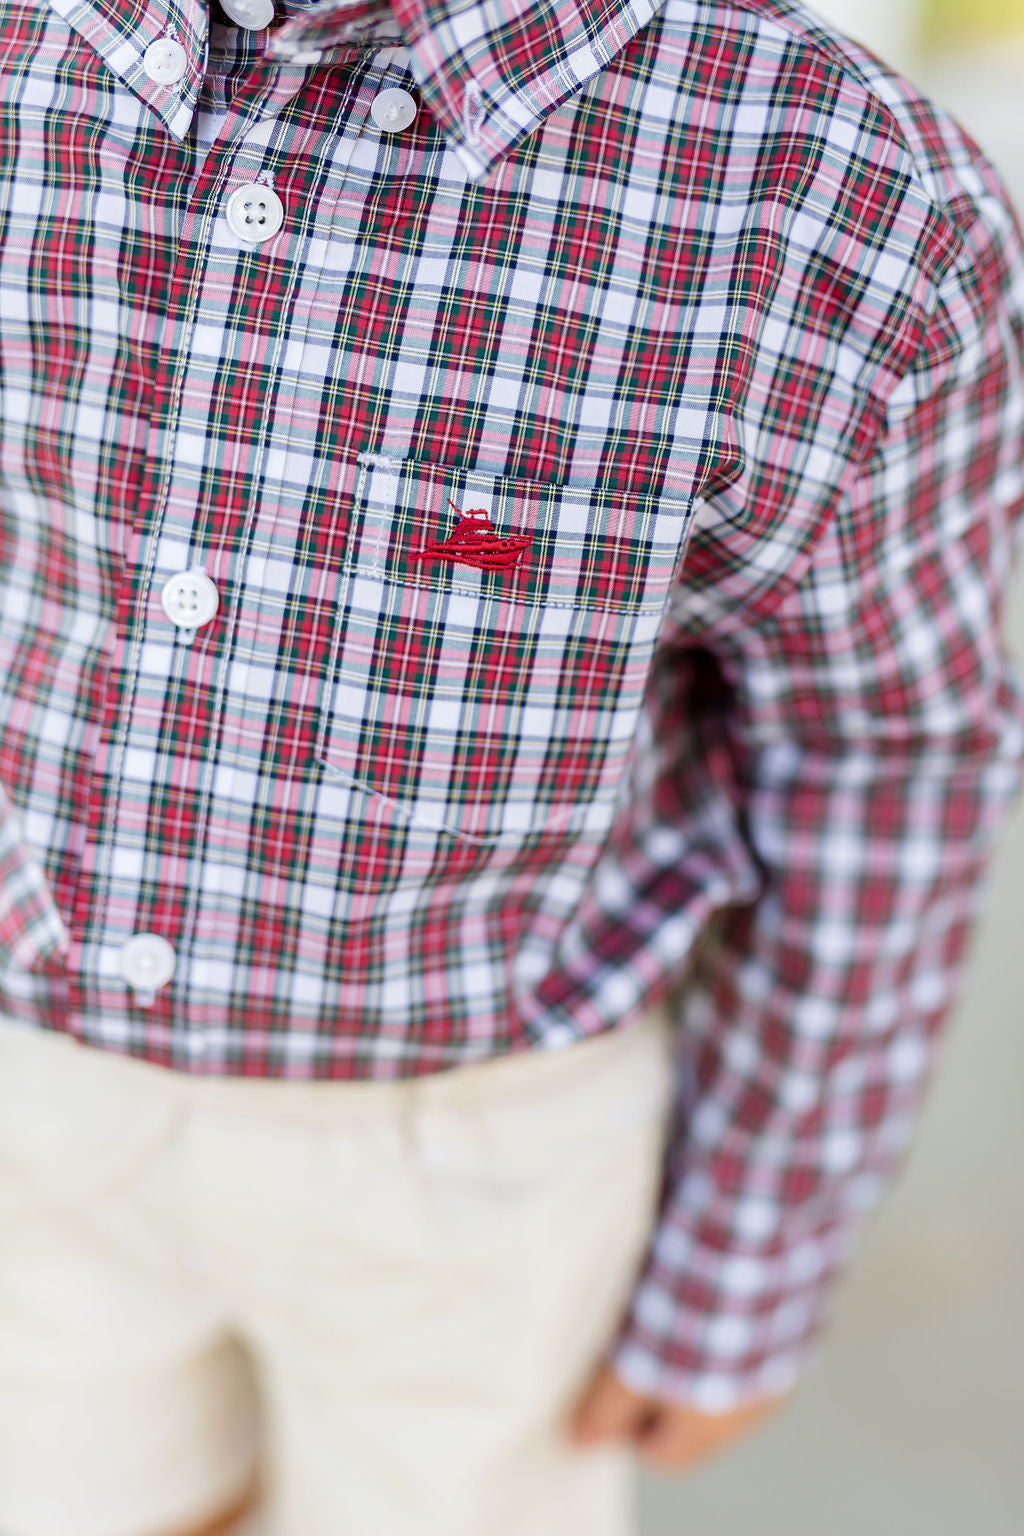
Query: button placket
x,y
154,501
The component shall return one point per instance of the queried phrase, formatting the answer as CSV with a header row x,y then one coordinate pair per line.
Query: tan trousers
x,y
384,1295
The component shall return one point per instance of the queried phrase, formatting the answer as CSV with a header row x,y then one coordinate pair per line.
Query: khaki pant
x,y
385,1295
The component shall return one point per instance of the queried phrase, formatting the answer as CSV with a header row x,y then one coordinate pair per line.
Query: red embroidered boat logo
x,y
475,541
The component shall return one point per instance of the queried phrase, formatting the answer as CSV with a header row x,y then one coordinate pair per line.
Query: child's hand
x,y
669,1436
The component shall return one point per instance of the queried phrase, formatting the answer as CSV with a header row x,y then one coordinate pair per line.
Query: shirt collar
x,y
488,72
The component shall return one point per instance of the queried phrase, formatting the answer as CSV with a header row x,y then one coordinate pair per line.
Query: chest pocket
x,y
491,645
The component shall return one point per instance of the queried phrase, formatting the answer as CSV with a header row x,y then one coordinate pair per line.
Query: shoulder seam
x,y
804,29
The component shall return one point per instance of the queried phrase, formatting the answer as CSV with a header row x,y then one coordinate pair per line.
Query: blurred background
x,y
912,1420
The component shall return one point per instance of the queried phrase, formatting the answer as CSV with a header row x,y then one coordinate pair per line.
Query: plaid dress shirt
x,y
578,530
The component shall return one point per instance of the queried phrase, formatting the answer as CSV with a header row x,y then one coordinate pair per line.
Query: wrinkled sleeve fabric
x,y
875,733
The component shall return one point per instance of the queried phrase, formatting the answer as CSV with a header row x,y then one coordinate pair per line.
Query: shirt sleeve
x,y
874,729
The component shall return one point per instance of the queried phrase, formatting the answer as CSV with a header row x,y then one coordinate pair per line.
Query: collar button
x,y
254,15
165,61
393,109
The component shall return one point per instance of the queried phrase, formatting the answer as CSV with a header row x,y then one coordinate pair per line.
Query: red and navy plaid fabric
x,y
609,484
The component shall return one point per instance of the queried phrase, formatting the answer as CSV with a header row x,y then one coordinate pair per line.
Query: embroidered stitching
x,y
475,541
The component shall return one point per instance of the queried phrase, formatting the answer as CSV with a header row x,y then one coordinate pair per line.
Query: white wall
x,y
888,27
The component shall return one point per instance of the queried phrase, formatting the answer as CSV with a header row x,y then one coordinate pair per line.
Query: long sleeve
x,y
873,733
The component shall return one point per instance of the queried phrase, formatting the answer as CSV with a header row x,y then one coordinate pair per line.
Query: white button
x,y
249,13
254,213
189,599
147,961
165,61
393,110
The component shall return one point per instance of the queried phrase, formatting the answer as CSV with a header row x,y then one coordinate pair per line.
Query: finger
x,y
608,1410
670,1441
677,1437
